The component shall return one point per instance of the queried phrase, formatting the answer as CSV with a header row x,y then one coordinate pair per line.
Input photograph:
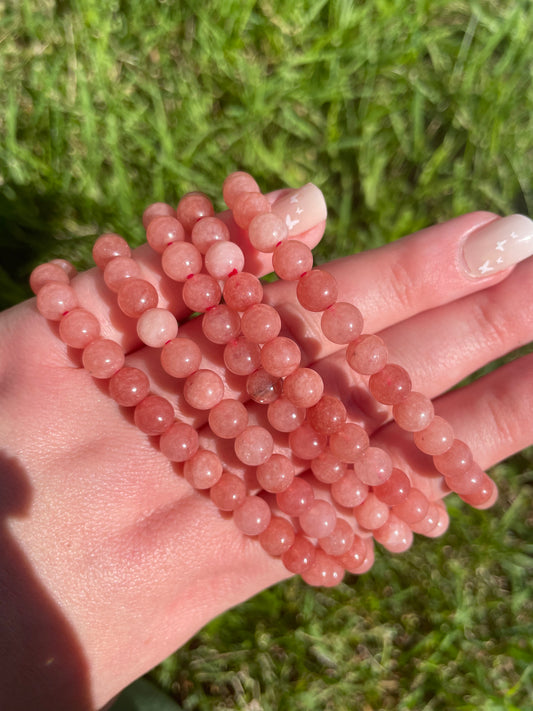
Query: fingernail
x,y
301,209
498,245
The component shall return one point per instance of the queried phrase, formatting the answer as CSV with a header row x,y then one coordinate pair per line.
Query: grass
x,y
405,113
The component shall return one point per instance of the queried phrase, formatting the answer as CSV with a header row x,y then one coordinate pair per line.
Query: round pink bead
x,y
154,415
443,521
328,415
304,387
203,469
228,493
368,354
356,556
349,490
47,272
237,183
300,556
266,231
223,259
373,466
242,290
429,522
468,481
247,205
395,489
228,419
252,516
455,461
296,498
163,231
368,561
221,324
66,266
193,207
328,468
203,389
55,299
136,296
179,443
395,535
342,323
278,536
128,386
201,292
180,357
118,270
436,438
319,519
414,412
180,260
156,327
207,231
317,290
340,540
109,246
292,259
157,209
260,323
78,328
280,356
263,387
413,508
102,358
241,356
253,446
391,385
484,496
306,442
348,442
284,416
276,474
325,572
372,513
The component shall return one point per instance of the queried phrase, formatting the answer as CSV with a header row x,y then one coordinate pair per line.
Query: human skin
x,y
110,560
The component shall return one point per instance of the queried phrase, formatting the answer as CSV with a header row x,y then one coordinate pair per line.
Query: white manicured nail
x,y
498,245
301,209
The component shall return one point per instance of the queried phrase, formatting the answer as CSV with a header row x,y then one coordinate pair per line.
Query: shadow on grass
x,y
43,665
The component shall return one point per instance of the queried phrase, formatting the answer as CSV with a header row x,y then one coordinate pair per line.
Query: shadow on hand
x,y
42,663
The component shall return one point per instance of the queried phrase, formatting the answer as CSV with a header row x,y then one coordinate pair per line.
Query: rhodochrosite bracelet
x,y
323,494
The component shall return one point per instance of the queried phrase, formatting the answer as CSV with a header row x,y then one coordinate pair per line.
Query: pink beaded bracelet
x,y
312,535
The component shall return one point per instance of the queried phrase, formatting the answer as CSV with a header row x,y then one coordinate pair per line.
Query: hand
x,y
110,560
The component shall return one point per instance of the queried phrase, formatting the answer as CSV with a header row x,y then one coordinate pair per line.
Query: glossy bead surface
x,y
342,323
221,324
456,460
55,299
325,571
193,207
203,469
372,513
201,292
229,492
237,183
278,536
154,415
223,259
373,466
300,556
157,209
340,540
328,468
109,246
368,354
163,231
203,389
262,387
328,415
252,516
242,290
413,508
44,273
156,327
414,412
266,231
128,386
304,387
78,328
348,442
436,438
391,385
228,418
280,356
241,356
296,498
102,358
284,416
395,489
118,270
180,357
291,259
181,260
136,296
248,205
319,519
253,446
179,442
395,535
276,474
260,323
317,290
207,231
307,443
349,490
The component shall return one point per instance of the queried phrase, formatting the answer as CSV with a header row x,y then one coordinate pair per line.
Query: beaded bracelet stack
x,y
370,499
